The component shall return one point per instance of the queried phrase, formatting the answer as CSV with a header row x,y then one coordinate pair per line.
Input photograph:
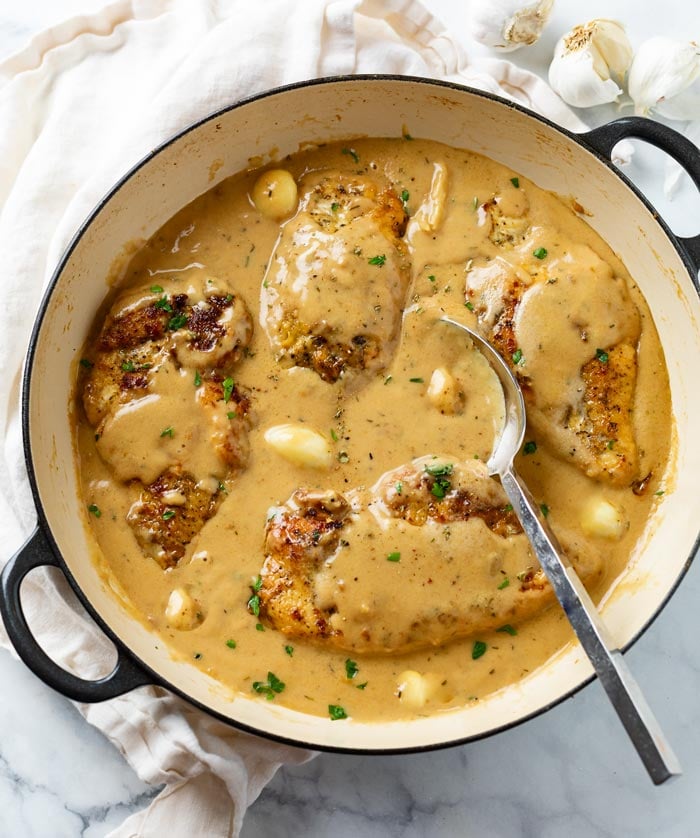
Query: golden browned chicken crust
x,y
306,535
334,290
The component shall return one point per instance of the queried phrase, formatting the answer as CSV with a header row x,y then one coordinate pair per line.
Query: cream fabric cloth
x,y
79,106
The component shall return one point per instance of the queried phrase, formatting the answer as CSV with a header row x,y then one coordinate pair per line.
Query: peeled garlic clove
x,y
584,61
300,445
665,78
508,24
603,519
182,611
274,193
444,392
413,689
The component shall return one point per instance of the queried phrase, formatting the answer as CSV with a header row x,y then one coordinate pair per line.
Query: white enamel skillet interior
x,y
268,127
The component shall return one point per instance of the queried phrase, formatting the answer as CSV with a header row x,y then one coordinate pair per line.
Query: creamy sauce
x,y
377,424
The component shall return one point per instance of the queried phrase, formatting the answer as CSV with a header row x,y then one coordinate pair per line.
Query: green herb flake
x,y
222,487
257,584
335,206
163,304
128,366
475,203
602,356
469,305
504,584
508,629
269,688
611,444
508,507
544,509
440,487
95,509
540,253
399,487
87,364
478,649
177,322
289,650
442,470
351,151
259,627
169,431
405,195
394,557
334,435
377,260
156,289
432,278
516,182
231,644
530,447
361,686
416,380
351,669
517,356
253,605
168,514
227,388
197,379
336,712
659,493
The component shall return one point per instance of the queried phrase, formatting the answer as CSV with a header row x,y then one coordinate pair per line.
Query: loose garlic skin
x,y
444,392
665,79
275,194
300,445
584,61
182,611
507,25
413,689
602,519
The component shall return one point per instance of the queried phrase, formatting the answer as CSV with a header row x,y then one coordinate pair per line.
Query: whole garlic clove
x,y
584,61
300,445
665,78
507,25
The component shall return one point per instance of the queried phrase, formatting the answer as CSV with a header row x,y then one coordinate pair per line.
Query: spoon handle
x,y
613,673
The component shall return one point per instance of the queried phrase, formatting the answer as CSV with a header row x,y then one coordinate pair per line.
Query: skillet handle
x,y
683,150
126,675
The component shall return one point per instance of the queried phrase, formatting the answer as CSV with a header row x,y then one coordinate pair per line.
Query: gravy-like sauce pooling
x,y
282,450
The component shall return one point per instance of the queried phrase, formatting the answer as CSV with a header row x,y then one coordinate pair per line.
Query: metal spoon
x,y
617,680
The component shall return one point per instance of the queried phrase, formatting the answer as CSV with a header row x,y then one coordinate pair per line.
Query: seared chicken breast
x,y
169,418
431,553
335,287
579,380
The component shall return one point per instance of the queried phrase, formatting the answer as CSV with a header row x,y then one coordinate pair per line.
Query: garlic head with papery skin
x,y
508,24
665,78
584,61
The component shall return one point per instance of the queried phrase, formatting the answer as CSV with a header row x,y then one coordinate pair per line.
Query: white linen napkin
x,y
79,106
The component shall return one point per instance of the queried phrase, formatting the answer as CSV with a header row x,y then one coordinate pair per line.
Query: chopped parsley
x,y
84,362
516,182
197,379
602,356
231,644
399,487
377,260
257,584
478,649
530,447
334,435
168,514
442,470
540,253
361,686
416,380
404,197
169,431
269,688
95,509
177,322
253,605
544,509
508,629
351,151
504,584
336,712
156,289
351,669
440,487
394,557
259,627
334,206
432,278
517,356
659,493
128,366
289,650
231,414
469,305
163,304
228,388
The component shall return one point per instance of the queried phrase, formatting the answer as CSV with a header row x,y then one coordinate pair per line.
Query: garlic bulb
x,y
665,78
508,24
585,59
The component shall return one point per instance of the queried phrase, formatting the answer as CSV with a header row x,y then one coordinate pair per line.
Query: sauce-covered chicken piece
x,y
169,419
336,283
431,553
567,326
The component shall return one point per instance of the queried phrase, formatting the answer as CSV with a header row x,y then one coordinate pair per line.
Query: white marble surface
x,y
570,772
